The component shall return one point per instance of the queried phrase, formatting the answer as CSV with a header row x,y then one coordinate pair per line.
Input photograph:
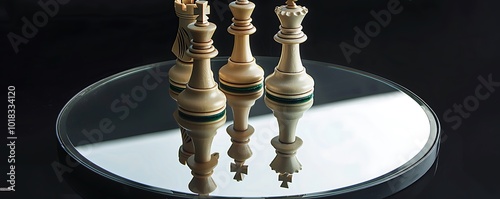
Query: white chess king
x,y
289,89
241,80
201,106
179,73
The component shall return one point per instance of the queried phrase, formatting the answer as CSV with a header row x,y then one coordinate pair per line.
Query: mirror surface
x,y
362,131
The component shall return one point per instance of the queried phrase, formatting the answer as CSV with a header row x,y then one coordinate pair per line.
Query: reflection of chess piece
x,y
179,73
286,163
202,182
241,80
239,151
289,90
202,106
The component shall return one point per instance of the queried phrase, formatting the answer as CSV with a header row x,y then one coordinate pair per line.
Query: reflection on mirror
x,y
354,153
286,163
180,73
201,105
241,80
289,91
240,151
395,144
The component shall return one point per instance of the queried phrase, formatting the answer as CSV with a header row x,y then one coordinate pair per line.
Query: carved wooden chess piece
x,y
289,90
179,73
241,81
201,106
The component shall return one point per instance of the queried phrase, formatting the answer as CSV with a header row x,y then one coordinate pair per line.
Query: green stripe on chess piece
x,y
289,100
176,89
231,89
208,118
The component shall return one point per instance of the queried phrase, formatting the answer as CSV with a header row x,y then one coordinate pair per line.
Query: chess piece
x,y
179,73
241,81
289,89
201,106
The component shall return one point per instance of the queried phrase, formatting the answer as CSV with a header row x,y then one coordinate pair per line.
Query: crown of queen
x,y
291,14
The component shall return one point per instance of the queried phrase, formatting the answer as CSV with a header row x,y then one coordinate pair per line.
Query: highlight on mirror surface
x,y
336,152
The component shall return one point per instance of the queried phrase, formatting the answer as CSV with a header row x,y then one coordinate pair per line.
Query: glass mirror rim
x,y
422,161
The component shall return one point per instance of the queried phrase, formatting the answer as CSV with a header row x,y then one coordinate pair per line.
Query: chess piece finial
x,y
186,1
242,2
241,80
291,4
202,10
289,89
202,106
179,73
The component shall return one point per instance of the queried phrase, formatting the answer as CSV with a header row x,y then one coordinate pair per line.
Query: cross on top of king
x,y
202,10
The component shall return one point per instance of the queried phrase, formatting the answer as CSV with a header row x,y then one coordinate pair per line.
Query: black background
x,y
437,49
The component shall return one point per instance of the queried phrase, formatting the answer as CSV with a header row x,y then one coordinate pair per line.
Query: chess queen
x,y
289,89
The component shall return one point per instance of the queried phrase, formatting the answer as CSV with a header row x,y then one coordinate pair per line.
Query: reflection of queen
x,y
289,90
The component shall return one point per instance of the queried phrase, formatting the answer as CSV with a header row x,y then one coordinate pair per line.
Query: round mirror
x,y
364,136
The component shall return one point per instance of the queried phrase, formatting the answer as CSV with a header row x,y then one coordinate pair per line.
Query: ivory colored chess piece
x,y
201,106
241,81
289,90
179,73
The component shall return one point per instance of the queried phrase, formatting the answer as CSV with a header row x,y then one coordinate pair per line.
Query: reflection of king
x,y
179,73
289,90
241,80
201,106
